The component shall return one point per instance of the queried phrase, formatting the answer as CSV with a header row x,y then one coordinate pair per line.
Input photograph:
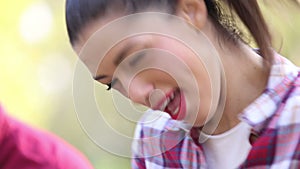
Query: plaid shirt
x,y
274,117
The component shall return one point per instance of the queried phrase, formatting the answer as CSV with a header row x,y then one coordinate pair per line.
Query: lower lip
x,y
182,109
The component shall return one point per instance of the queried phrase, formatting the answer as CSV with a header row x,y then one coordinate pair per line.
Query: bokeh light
x,y
36,22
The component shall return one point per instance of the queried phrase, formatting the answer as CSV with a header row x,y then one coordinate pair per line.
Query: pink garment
x,y
23,147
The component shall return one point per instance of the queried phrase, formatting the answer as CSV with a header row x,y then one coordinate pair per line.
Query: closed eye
x,y
137,58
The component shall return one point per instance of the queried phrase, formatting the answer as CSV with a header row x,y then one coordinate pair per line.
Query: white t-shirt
x,y
228,150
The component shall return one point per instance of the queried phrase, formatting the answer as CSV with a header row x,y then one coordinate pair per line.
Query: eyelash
x,y
110,85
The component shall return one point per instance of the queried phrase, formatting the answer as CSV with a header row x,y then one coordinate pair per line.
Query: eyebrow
x,y
120,57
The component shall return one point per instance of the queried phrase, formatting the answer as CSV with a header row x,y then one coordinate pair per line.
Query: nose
x,y
139,91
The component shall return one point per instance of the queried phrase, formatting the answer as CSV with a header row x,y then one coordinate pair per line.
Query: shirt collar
x,y
282,75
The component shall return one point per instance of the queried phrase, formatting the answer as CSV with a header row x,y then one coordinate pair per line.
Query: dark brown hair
x,y
250,14
80,12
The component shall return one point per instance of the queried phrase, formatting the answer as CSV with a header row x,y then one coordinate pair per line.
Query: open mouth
x,y
173,104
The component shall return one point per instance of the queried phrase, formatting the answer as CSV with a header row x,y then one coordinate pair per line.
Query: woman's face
x,y
153,70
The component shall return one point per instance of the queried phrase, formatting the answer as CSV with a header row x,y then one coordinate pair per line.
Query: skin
x,y
245,73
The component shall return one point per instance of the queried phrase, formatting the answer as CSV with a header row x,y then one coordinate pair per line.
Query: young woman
x,y
259,124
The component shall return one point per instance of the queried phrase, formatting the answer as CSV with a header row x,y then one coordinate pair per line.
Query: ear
x,y
193,11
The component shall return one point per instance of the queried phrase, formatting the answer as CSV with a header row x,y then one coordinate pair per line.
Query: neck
x,y
246,78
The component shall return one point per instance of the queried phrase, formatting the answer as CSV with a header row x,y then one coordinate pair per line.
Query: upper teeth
x,y
167,101
175,111
172,96
164,105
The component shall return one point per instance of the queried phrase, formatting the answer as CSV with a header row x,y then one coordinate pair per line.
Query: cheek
x,y
160,79
201,108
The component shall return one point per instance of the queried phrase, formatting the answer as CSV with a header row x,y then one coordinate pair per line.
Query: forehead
x,y
91,43
91,28
121,23
101,35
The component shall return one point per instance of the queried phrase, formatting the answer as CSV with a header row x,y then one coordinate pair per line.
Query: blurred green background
x,y
37,64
